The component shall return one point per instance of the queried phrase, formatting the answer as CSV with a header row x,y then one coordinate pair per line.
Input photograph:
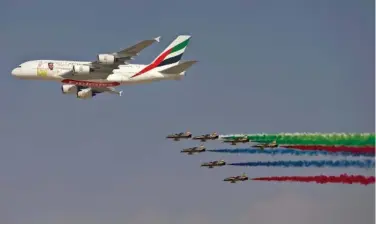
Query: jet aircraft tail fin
x,y
173,53
177,69
170,57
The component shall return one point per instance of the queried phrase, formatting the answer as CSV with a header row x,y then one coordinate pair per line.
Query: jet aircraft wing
x,y
110,90
125,55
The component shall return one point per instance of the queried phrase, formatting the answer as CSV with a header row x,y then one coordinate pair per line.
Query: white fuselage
x,y
59,70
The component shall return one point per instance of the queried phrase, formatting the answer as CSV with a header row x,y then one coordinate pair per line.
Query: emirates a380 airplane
x,y
87,79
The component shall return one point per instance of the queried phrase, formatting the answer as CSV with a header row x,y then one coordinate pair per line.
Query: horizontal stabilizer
x,y
181,67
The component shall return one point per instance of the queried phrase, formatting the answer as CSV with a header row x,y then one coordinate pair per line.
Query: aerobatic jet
x,y
266,145
194,150
205,137
181,135
213,164
235,179
235,140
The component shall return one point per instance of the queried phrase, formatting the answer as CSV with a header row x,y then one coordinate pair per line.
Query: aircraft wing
x,y
232,179
110,90
125,55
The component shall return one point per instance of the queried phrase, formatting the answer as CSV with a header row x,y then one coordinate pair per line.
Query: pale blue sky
x,y
264,66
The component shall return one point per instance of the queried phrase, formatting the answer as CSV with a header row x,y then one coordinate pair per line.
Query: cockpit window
x,y
19,67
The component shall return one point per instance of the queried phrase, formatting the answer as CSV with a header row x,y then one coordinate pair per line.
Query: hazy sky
x,y
264,66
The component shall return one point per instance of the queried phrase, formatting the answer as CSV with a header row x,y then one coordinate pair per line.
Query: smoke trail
x,y
281,151
320,163
322,179
348,139
365,149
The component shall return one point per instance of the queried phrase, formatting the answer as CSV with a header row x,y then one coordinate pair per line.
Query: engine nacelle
x,y
82,69
106,59
86,93
68,88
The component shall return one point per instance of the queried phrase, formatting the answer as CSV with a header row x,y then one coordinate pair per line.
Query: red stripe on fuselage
x,y
90,83
154,64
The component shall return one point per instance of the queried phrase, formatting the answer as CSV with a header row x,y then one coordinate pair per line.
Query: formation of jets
x,y
87,79
214,136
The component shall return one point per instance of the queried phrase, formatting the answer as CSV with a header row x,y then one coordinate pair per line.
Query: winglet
x,y
120,93
157,39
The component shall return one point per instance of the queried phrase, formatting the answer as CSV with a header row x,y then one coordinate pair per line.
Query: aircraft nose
x,y
16,71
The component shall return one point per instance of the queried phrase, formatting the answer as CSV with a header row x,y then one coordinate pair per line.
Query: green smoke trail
x,y
348,139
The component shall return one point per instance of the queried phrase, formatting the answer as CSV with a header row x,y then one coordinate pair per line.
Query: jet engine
x,y
82,69
86,93
106,59
68,88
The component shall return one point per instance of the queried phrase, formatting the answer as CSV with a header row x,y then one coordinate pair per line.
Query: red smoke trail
x,y
353,149
322,179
